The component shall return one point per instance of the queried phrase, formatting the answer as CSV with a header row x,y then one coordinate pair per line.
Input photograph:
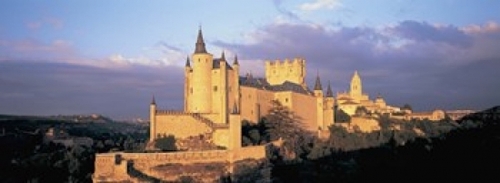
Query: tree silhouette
x,y
166,143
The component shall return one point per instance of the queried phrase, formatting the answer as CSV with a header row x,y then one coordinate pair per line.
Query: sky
x,y
110,57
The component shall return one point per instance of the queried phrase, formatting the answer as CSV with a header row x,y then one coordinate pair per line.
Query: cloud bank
x,y
426,65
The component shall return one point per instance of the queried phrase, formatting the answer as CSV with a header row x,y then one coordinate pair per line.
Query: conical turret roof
x,y
223,56
200,43
317,85
235,60
187,62
329,92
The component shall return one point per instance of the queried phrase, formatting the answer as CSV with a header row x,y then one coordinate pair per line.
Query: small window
x,y
286,99
215,88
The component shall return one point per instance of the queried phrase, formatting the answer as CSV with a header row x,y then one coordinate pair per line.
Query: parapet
x,y
286,62
277,72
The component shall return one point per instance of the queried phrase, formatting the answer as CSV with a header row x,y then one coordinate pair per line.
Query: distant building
x,y
350,101
434,115
58,136
457,114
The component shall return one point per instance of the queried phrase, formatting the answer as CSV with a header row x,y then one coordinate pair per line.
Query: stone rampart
x,y
180,125
114,166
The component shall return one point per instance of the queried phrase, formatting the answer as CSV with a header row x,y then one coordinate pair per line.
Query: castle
x,y
217,99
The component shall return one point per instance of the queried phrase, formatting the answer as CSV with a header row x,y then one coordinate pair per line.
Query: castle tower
x,y
200,100
318,92
318,89
152,118
279,72
223,92
329,108
187,82
236,85
356,87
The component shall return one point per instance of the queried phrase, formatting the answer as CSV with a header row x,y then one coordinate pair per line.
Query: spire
x,y
200,44
235,108
153,102
236,60
329,92
317,85
356,75
187,62
223,56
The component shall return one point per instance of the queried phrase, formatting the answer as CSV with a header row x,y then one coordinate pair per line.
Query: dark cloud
x,y
54,88
413,62
422,31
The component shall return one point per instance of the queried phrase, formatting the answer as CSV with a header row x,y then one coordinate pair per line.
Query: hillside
x,y
60,149
419,151
468,153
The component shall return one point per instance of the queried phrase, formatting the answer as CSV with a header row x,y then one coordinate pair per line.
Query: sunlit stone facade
x,y
217,98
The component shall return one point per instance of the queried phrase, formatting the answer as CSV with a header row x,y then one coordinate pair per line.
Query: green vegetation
x,y
29,155
166,143
403,151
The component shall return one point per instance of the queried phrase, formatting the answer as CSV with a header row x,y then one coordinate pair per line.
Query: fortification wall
x,y
248,104
107,169
221,137
214,117
249,152
307,114
365,125
179,124
113,166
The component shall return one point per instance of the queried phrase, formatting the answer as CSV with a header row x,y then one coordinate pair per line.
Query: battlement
x,y
277,72
287,62
115,167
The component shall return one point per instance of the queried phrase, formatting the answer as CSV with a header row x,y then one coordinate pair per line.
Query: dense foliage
x,y
415,151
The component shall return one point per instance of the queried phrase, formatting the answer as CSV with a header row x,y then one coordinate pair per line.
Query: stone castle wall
x,y
305,106
115,166
179,124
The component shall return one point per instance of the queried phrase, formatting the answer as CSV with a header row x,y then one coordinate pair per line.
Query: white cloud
x,y
53,22
488,27
321,4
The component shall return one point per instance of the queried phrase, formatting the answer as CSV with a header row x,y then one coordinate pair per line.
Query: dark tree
x,y
166,143
407,107
341,116
281,122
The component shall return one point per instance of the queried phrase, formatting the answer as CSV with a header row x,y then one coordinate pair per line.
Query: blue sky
x,y
110,57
